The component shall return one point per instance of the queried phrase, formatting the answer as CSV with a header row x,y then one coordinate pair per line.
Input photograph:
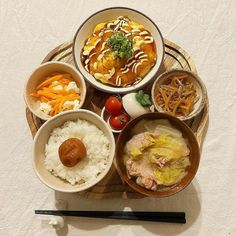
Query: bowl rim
x,y
151,193
111,89
103,174
103,111
195,77
45,64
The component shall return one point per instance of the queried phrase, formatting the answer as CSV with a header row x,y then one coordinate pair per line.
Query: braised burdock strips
x,y
177,95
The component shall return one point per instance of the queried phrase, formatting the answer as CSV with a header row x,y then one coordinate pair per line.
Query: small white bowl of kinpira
x,y
54,87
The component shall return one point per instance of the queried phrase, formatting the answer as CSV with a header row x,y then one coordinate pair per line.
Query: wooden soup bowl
x,y
194,155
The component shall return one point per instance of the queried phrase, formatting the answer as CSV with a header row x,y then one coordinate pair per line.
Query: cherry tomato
x,y
113,105
119,121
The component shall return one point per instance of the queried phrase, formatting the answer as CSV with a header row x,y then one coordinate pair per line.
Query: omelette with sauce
x,y
119,52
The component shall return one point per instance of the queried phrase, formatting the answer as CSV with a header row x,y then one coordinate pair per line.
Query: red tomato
x,y
113,105
119,121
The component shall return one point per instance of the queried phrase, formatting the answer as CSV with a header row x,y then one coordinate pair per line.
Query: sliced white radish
x,y
132,106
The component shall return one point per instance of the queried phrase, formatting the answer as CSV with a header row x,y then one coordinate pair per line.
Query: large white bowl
x,y
86,29
38,76
41,140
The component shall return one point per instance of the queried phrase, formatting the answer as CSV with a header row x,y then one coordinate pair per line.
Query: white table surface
x,y
205,29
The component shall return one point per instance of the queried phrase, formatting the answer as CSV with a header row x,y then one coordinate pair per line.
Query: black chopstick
x,y
169,217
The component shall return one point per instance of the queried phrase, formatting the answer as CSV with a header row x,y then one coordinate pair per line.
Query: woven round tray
x,y
112,186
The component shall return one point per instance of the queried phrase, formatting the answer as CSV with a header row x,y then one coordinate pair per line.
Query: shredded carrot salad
x,y
48,92
177,95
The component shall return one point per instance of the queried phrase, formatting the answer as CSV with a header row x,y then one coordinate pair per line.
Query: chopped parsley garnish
x,y
121,45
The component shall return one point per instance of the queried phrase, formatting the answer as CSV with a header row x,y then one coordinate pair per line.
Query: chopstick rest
x,y
56,221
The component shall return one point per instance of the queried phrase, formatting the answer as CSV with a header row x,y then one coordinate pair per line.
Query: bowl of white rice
x,y
96,137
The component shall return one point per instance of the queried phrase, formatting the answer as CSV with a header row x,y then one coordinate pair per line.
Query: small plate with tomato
x,y
114,114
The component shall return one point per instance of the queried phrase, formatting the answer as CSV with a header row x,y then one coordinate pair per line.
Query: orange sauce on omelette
x,y
99,59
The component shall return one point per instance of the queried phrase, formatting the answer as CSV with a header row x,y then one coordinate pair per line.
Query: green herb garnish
x,y
143,98
121,45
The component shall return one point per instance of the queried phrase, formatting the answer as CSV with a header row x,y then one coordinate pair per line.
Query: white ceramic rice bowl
x,y
41,140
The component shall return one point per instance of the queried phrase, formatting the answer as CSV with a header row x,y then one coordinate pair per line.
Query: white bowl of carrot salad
x,y
54,87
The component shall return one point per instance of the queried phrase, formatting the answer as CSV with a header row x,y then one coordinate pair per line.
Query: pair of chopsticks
x,y
168,217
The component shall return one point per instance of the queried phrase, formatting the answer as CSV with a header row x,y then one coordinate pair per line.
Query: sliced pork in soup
x,y
156,157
